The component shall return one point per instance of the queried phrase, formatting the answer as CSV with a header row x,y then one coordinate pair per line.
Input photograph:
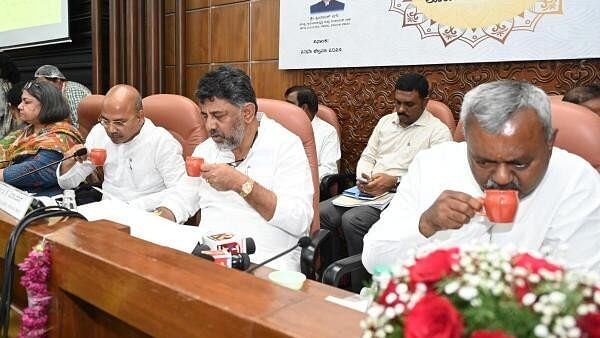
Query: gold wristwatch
x,y
247,188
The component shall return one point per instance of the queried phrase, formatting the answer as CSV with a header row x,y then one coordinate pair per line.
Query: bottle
x,y
69,201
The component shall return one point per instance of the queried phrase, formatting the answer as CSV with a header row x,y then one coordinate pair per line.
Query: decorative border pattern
x,y
429,28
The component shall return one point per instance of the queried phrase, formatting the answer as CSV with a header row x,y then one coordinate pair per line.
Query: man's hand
x,y
223,177
165,213
378,184
66,165
451,210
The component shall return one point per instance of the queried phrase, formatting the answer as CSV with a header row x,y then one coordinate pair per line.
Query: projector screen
x,y
27,23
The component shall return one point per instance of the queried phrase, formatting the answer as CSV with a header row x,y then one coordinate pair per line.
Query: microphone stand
x,y
77,153
302,242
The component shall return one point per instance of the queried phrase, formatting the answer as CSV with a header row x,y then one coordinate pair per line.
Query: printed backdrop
x,y
360,33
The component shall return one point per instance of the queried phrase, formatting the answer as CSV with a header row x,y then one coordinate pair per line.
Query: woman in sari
x,y
44,140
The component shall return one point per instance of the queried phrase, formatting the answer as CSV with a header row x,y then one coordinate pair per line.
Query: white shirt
x,y
563,209
277,161
392,147
328,146
138,171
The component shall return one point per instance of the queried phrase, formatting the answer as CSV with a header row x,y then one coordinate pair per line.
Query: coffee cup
x,y
501,205
97,156
193,166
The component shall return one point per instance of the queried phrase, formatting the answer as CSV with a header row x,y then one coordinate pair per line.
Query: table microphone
x,y
79,152
303,242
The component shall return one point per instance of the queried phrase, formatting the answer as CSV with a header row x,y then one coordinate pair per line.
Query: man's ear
x,y
248,111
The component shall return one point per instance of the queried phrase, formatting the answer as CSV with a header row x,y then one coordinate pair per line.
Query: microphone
x,y
239,261
303,242
79,152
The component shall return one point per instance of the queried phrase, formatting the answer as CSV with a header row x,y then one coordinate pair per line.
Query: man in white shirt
x,y
326,137
396,139
142,161
509,145
256,181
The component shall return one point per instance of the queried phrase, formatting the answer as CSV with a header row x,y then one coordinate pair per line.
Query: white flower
x,y
597,297
467,292
528,299
540,330
390,298
574,332
390,313
367,334
399,308
496,275
557,297
421,288
476,302
451,287
380,333
375,311
401,288
533,278
568,321
388,328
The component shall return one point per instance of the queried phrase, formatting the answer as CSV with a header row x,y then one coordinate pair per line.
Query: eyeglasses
x,y
117,124
31,83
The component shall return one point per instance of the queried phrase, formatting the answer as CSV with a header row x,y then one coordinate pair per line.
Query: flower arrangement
x,y
36,268
483,292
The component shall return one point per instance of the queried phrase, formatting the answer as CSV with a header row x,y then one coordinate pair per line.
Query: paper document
x,y
356,193
349,202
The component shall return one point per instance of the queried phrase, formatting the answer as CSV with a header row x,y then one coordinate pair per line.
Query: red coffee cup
x,y
193,166
97,156
501,205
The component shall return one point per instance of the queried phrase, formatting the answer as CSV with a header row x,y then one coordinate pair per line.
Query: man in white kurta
x,y
256,180
438,202
142,161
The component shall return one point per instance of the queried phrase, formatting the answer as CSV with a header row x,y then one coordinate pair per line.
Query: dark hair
x,y
582,94
8,70
13,95
413,81
227,83
54,107
305,96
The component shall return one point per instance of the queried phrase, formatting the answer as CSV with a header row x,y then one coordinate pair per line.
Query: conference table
x,y
107,280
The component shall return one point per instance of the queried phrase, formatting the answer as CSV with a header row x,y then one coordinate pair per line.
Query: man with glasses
x,y
142,160
73,91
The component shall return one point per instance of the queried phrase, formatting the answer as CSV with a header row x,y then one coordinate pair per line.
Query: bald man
x,y
143,161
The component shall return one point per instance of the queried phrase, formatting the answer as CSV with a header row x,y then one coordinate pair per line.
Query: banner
x,y
361,33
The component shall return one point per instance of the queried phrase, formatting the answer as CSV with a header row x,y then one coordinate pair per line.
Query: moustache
x,y
490,184
214,132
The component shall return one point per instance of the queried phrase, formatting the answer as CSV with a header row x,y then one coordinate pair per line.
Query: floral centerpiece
x,y
483,292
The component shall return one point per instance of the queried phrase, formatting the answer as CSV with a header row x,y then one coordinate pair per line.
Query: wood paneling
x,y
268,81
264,35
192,74
196,38
170,6
170,79
169,46
243,66
229,33
224,2
195,4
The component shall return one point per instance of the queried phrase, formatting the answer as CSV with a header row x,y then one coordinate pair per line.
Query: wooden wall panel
x,y
229,33
197,37
170,6
170,34
264,35
224,2
268,81
192,74
170,80
195,4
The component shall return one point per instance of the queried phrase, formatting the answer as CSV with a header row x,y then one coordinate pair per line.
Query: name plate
x,y
13,201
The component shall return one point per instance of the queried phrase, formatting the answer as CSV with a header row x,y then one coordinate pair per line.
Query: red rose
x,y
590,325
433,267
433,317
490,334
533,265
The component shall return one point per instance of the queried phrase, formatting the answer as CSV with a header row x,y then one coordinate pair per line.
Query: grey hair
x,y
493,104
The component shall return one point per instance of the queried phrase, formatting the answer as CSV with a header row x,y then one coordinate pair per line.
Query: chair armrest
x,y
336,270
336,182
309,255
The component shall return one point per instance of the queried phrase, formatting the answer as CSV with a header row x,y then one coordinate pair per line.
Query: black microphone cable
x,y
78,152
302,243
9,256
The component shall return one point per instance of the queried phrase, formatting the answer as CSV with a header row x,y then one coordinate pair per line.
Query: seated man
x,y
587,96
395,141
73,92
326,137
256,178
509,145
142,159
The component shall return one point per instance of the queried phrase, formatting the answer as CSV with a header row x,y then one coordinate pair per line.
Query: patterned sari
x,y
59,136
